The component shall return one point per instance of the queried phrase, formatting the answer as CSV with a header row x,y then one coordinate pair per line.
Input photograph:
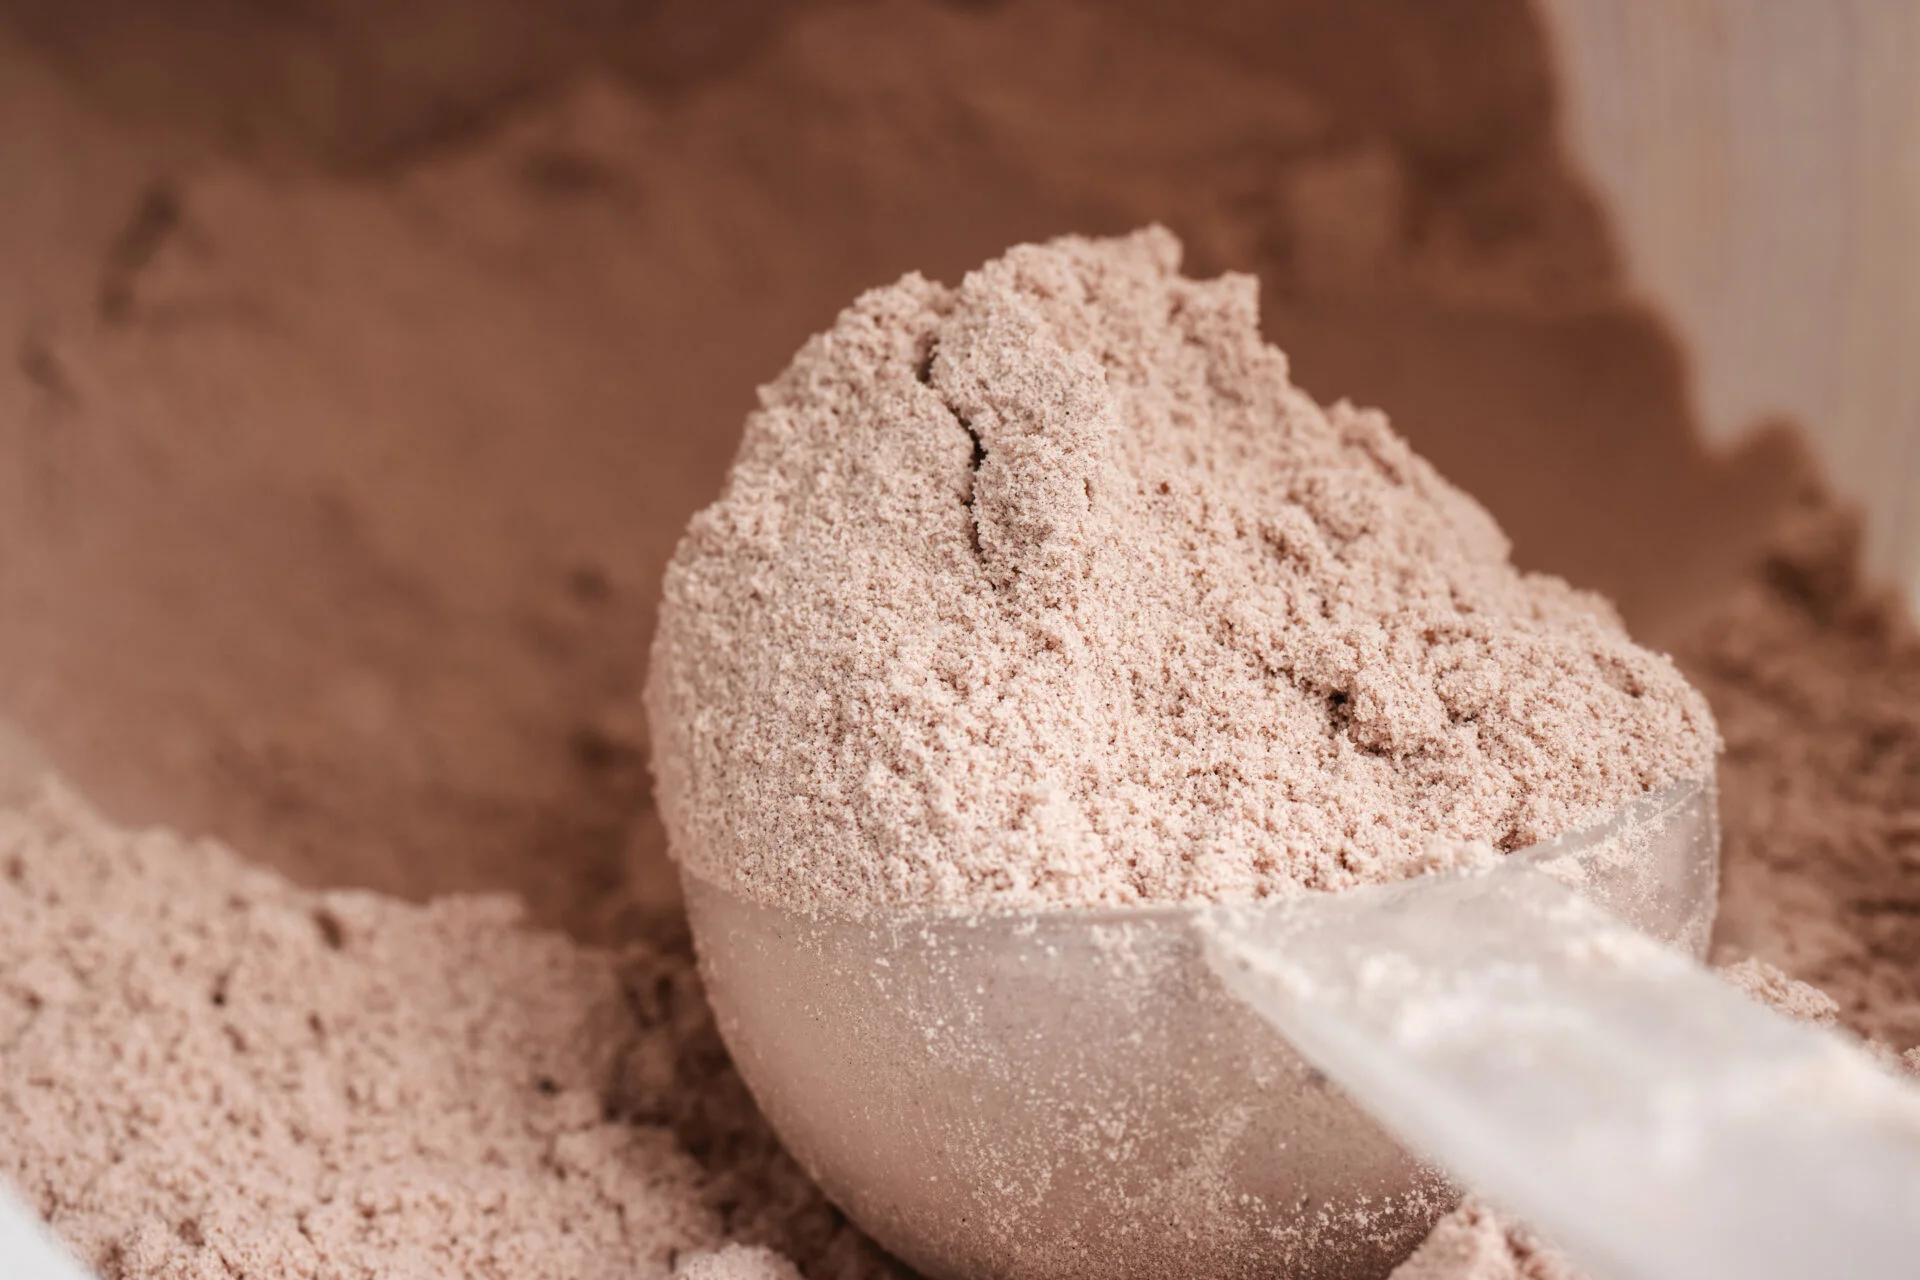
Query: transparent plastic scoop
x,y
1072,1095
28,1250
1653,1121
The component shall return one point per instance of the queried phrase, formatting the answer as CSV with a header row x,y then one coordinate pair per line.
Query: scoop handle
x,y
28,1250
1654,1122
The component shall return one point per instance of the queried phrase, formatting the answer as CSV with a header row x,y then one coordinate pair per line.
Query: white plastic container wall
x,y
1760,163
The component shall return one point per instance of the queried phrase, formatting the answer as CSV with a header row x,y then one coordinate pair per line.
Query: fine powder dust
x,y
1052,590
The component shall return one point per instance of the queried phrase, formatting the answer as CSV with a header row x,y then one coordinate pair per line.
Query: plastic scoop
x,y
1073,1093
1611,1091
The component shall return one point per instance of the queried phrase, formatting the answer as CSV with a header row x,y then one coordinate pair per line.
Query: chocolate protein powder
x,y
1052,590
210,1072
374,470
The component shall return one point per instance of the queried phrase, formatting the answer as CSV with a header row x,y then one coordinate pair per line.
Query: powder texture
x,y
1776,990
1475,1242
1815,673
735,1262
1053,590
210,1072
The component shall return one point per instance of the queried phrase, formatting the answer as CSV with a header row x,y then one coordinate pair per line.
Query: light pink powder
x,y
1052,590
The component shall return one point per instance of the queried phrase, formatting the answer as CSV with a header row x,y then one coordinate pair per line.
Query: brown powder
x,y
1816,676
208,1069
1053,590
211,1072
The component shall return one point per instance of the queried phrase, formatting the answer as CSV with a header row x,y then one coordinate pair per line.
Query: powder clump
x,y
1052,590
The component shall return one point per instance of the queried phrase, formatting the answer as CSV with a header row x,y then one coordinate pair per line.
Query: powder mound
x,y
1052,590
210,1072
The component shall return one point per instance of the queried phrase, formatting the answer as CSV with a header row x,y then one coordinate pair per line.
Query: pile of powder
x,y
1053,590
210,1072
1814,671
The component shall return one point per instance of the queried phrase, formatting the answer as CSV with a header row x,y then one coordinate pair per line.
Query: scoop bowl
x,y
1072,1093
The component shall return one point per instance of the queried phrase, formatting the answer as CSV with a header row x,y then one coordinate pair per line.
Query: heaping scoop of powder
x,y
1052,590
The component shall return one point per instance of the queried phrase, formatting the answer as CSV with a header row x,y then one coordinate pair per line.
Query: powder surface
x,y
1815,672
1053,590
210,1072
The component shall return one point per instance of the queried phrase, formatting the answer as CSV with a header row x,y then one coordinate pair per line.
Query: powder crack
x,y
923,373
